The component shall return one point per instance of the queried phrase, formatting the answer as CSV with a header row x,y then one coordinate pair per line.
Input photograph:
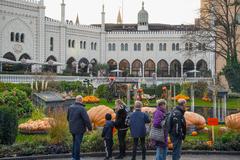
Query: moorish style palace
x,y
27,35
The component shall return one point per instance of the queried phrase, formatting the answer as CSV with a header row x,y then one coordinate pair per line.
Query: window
x,y
95,46
126,47
177,47
84,45
173,47
92,46
81,44
22,37
122,47
51,44
160,47
135,47
17,37
113,46
139,47
186,46
164,46
12,37
73,44
204,47
109,46
147,47
69,43
151,47
190,46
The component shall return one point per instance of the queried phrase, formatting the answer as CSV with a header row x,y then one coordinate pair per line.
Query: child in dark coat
x,y
107,134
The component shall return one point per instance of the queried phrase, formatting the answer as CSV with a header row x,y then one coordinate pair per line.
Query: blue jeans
x,y
77,140
161,153
177,148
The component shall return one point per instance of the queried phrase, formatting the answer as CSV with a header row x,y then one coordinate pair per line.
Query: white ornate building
x,y
141,49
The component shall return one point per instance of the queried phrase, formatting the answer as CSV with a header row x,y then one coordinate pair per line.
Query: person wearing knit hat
x,y
177,128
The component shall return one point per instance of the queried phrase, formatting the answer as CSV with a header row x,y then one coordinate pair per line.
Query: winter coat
x,y
107,132
137,123
158,117
120,122
78,119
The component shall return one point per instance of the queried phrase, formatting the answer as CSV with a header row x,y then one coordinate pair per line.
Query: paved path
x,y
184,157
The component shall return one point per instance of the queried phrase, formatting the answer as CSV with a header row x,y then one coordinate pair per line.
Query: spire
x,y
77,20
142,4
119,18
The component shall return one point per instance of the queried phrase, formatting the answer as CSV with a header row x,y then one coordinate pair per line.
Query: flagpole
x,y
122,11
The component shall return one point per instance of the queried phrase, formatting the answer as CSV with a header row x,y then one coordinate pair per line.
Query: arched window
x,y
122,47
199,46
73,44
186,46
81,44
204,47
51,44
177,47
151,47
69,43
109,46
160,47
173,47
113,46
135,47
164,46
139,47
12,37
84,44
91,45
95,46
147,47
190,46
126,47
17,37
22,37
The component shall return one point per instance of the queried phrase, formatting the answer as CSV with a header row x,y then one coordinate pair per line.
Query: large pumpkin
x,y
233,121
195,119
150,110
97,115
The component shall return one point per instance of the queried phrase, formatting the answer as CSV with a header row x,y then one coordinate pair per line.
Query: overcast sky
x,y
160,11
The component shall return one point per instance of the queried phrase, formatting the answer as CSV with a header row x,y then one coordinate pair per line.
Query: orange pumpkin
x,y
209,143
90,99
181,96
233,121
195,119
150,110
31,126
97,115
194,133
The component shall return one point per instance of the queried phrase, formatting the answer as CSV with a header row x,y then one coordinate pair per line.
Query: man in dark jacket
x,y
78,122
177,128
120,124
137,123
107,134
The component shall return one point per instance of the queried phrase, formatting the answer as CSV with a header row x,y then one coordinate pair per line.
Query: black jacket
x,y
120,122
177,128
78,119
107,132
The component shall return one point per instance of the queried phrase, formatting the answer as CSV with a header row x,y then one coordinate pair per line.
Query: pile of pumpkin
x,y
181,96
206,99
38,126
90,99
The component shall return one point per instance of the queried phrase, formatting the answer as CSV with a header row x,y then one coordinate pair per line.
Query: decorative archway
x,y
24,66
175,68
83,66
149,68
162,68
203,68
112,64
137,68
9,67
124,65
71,66
50,68
188,65
24,56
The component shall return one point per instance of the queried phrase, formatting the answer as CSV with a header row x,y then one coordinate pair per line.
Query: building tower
x,y
119,18
102,57
63,12
142,19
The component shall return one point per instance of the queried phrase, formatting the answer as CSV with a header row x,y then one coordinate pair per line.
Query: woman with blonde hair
x,y
121,115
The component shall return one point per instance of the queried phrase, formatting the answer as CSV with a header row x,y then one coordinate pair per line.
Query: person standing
x,y
78,122
107,134
120,124
177,128
158,118
137,123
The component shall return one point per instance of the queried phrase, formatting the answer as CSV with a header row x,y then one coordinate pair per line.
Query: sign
x,y
212,121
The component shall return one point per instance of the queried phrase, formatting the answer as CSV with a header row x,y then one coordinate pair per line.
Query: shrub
x,y
200,88
37,113
103,91
21,86
18,100
8,125
59,132
228,142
